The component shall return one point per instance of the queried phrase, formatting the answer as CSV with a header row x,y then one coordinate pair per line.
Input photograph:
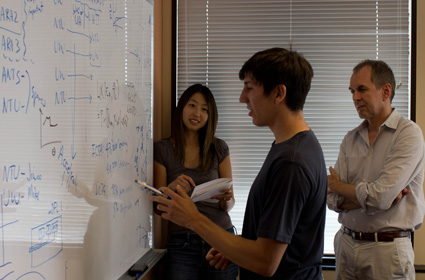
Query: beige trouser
x,y
373,260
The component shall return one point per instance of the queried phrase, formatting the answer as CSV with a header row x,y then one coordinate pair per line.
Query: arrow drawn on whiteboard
x,y
79,98
90,77
10,30
117,19
73,153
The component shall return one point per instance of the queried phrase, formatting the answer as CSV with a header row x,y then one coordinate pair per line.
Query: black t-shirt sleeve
x,y
287,190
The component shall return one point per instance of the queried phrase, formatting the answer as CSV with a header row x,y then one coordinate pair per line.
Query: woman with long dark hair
x,y
192,156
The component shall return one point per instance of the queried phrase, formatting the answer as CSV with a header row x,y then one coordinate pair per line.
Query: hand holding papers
x,y
205,191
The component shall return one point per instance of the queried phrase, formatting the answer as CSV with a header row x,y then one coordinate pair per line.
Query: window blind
x,y
215,37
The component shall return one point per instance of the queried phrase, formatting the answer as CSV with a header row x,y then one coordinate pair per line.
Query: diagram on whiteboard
x,y
76,97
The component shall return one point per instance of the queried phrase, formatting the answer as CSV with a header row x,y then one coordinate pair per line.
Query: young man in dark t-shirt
x,y
290,179
282,236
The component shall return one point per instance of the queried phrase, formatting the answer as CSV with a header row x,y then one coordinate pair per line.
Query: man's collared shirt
x,y
380,171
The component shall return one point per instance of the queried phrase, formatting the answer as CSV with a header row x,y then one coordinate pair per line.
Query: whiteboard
x,y
76,101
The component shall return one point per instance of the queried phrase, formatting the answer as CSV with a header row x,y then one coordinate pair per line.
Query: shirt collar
x,y
390,122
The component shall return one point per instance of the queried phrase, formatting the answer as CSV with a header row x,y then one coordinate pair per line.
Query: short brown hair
x,y
381,73
276,66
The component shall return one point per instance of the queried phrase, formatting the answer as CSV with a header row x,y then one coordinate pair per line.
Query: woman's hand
x,y
184,181
226,199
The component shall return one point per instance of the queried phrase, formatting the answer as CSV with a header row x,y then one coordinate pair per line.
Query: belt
x,y
387,236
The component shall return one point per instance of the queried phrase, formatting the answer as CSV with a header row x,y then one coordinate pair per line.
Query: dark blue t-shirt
x,y
287,202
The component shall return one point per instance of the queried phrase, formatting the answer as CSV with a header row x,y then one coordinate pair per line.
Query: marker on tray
x,y
152,189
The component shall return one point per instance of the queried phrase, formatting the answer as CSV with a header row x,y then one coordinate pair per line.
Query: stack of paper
x,y
205,191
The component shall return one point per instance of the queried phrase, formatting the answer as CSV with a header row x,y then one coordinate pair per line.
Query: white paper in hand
x,y
205,191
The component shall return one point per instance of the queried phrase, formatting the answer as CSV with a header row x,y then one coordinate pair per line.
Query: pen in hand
x,y
152,189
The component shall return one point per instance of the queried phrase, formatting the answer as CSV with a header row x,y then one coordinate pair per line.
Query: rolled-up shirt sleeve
x,y
380,171
333,199
402,159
